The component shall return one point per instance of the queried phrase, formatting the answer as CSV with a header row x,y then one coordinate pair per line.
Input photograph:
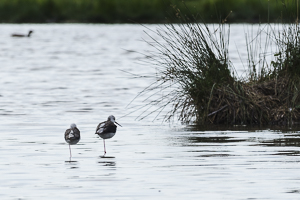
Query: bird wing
x,y
100,126
68,131
110,128
76,132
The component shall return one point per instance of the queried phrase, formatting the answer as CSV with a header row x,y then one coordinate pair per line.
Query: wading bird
x,y
107,129
72,136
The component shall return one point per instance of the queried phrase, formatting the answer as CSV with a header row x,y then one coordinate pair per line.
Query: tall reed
x,y
192,61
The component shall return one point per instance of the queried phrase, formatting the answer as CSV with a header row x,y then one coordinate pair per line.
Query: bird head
x,y
72,126
113,119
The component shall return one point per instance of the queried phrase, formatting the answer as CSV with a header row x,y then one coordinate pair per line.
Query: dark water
x,y
71,74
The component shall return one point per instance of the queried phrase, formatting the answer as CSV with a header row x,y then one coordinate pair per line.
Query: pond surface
x,y
71,73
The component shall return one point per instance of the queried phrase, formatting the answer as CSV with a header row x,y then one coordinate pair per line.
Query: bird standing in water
x,y
72,136
107,129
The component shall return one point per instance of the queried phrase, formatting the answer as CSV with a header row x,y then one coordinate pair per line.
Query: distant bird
x,y
72,136
22,35
107,129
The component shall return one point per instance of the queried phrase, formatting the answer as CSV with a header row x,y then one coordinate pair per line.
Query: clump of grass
x,y
192,63
270,94
196,78
287,68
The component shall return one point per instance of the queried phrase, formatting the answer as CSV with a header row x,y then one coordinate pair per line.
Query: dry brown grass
x,y
259,103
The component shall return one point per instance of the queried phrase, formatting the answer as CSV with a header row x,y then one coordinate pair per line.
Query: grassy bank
x,y
142,11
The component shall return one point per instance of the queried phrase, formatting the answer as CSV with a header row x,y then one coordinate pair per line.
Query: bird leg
x,y
104,148
70,152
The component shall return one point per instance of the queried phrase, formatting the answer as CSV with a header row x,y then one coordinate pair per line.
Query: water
x,y
72,74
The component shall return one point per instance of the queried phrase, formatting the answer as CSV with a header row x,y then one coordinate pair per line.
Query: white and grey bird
x,y
22,35
107,129
72,136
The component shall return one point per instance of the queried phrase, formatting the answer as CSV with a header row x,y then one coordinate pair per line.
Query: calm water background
x,y
72,73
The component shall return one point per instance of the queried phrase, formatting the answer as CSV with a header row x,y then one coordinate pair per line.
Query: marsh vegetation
x,y
197,79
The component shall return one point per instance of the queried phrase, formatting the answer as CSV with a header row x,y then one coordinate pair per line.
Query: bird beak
x,y
118,123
